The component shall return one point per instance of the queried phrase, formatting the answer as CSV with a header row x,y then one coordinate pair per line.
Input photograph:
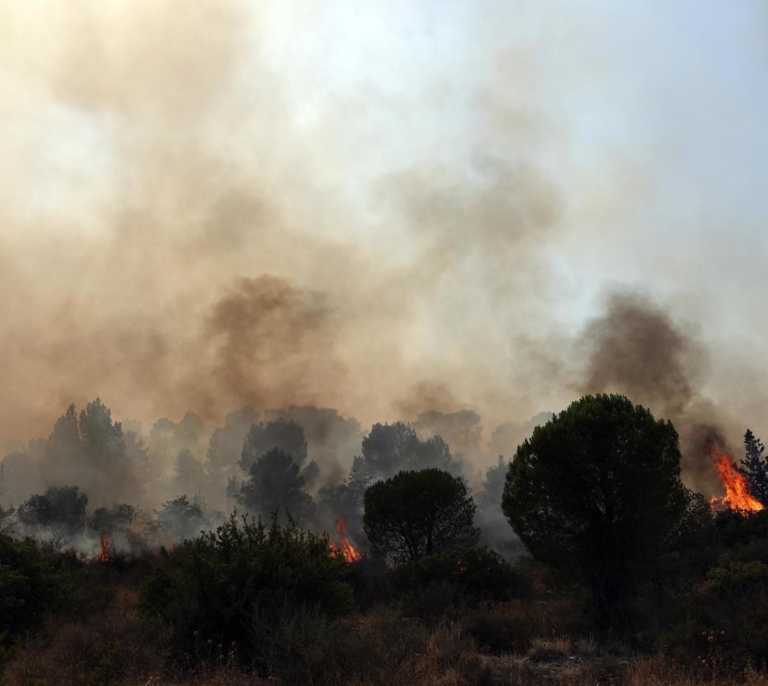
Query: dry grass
x,y
521,642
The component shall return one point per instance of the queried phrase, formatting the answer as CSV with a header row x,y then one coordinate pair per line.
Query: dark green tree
x,y
34,582
389,448
416,513
755,467
276,485
596,492
261,438
60,510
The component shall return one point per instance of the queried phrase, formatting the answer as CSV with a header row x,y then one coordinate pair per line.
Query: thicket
x,y
35,580
237,585
628,561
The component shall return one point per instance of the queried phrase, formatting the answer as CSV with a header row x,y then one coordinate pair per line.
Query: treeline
x,y
613,539
93,474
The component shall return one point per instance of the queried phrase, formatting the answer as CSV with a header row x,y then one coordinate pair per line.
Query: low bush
x,y
34,581
458,576
234,586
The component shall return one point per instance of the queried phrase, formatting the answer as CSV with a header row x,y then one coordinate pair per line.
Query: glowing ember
x,y
104,543
737,496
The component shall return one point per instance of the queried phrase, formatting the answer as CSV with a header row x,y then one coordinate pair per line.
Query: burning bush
x,y
234,585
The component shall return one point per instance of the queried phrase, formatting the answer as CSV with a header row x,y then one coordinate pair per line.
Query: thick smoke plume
x,y
183,237
175,239
637,349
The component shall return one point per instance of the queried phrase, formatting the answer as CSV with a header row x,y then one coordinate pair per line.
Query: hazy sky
x,y
380,206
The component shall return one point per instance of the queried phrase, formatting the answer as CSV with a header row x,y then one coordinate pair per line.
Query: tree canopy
x,y
89,450
755,467
261,438
597,491
416,513
276,484
388,448
61,509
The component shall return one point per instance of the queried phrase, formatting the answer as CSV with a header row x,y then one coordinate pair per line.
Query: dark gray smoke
x,y
636,348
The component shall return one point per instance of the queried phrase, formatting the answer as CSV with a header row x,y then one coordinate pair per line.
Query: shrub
x,y
235,585
34,581
737,578
459,575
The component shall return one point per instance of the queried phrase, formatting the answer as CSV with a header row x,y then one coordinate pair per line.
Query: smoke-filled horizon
x,y
385,209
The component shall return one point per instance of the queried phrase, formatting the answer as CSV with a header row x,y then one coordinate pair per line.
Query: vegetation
x,y
60,510
596,492
183,518
275,485
631,579
414,514
390,448
34,581
755,467
288,437
237,584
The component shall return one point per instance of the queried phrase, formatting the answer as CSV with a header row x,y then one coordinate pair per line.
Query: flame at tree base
x,y
345,549
737,495
104,543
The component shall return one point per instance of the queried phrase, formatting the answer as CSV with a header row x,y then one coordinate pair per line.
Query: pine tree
x,y
755,467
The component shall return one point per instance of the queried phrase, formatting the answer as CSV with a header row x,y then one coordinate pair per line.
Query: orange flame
x,y
104,543
347,549
737,496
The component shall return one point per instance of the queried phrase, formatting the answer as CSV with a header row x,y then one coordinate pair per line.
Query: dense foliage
x,y
235,585
60,510
469,574
34,581
414,514
597,491
389,448
275,484
754,466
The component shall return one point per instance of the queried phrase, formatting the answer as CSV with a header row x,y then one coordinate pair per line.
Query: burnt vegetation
x,y
246,554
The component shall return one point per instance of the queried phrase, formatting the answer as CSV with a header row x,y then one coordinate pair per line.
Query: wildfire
x,y
737,496
104,543
345,548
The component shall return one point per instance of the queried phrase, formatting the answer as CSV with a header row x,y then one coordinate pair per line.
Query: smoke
x,y
200,214
179,239
636,348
